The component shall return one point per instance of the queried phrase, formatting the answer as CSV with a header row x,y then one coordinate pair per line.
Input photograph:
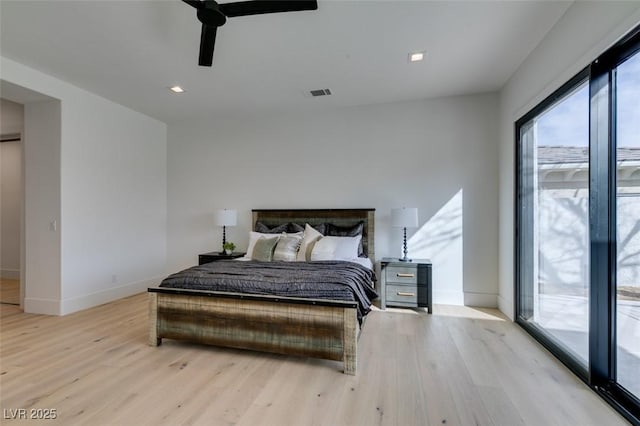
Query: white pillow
x,y
336,248
254,236
309,239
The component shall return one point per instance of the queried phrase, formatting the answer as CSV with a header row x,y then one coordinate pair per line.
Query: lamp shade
x,y
226,217
405,217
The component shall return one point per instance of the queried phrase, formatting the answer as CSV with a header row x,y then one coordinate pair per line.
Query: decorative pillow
x,y
295,227
263,249
321,228
310,237
347,231
287,248
264,229
253,237
336,248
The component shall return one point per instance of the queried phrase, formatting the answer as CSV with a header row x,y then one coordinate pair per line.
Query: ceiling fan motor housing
x,y
211,15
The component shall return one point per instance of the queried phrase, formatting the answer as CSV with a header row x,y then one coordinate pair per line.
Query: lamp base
x,y
404,251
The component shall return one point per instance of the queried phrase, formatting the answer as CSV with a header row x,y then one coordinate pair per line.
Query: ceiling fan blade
x,y
195,3
257,7
207,43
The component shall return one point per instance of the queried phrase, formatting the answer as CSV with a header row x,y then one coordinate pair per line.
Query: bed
x,y
303,326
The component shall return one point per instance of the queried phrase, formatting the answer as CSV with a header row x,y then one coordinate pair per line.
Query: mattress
x,y
330,280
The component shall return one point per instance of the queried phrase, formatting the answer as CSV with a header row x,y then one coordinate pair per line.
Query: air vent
x,y
320,92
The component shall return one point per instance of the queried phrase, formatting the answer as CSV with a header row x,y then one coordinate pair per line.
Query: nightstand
x,y
214,255
406,284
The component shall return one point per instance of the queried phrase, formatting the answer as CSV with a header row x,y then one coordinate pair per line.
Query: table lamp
x,y
405,217
224,218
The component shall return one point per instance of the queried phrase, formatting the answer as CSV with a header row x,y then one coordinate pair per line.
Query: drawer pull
x,y
405,275
404,293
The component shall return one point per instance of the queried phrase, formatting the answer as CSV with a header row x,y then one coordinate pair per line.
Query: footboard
x,y
292,326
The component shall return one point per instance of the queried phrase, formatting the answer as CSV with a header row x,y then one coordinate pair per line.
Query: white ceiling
x,y
131,51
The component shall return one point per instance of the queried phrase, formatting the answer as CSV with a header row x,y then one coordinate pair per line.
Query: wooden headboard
x,y
339,217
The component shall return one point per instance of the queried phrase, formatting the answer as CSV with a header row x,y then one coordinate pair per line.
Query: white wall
x,y
584,31
438,155
112,207
11,119
113,202
42,249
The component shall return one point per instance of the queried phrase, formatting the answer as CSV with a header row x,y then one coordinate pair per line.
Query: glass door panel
x,y
628,224
554,250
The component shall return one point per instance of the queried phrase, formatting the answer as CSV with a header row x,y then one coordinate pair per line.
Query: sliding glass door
x,y
578,224
628,223
555,183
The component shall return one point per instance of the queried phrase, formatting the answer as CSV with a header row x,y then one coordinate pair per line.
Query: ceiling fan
x,y
214,15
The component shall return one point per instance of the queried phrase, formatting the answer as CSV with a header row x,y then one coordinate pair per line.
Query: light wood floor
x,y
459,366
9,291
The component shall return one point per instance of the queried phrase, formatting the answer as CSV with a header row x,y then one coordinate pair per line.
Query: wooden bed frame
x,y
294,326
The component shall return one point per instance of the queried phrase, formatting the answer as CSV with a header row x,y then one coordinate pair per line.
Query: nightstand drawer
x,y
402,275
403,294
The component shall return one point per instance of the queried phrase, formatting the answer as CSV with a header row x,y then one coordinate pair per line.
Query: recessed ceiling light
x,y
176,89
416,56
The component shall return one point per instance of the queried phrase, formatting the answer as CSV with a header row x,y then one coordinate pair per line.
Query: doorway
x,y
11,200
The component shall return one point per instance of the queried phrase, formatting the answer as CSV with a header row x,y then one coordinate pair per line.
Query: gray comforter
x,y
333,280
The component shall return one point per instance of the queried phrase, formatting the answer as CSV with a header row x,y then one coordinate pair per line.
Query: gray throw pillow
x,y
321,228
295,227
264,229
263,250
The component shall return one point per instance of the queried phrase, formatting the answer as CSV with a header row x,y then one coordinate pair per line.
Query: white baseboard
x,y
506,307
75,304
481,300
10,274
41,306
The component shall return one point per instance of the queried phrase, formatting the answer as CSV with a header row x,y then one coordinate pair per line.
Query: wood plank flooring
x,y
10,291
459,366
